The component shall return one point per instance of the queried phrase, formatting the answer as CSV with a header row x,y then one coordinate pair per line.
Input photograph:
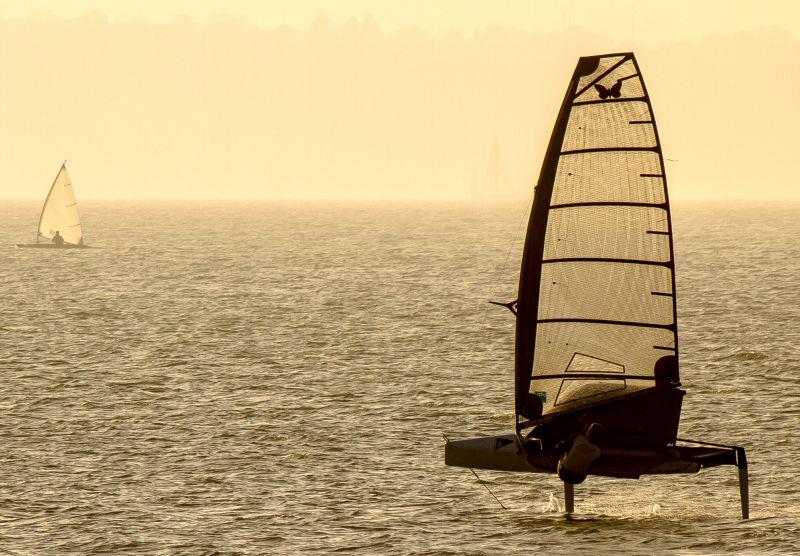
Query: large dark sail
x,y
596,309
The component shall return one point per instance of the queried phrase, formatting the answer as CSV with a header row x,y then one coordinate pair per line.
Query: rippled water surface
x,y
233,378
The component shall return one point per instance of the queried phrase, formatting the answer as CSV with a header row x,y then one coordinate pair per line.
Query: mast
x,y
530,273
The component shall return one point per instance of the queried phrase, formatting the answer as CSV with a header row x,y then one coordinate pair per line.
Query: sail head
x,y
60,211
596,304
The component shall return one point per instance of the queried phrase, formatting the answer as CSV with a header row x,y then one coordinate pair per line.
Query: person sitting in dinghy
x,y
58,239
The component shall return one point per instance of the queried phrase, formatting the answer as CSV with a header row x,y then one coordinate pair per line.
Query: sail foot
x,y
647,419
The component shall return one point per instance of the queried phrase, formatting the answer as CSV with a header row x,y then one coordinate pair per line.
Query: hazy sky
x,y
242,98
643,20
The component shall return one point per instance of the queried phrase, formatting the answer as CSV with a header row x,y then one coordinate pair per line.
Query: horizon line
x,y
442,198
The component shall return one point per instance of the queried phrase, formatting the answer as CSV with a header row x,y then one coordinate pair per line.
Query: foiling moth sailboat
x,y
597,386
59,222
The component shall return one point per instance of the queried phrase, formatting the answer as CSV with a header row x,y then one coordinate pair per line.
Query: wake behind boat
x,y
59,222
597,384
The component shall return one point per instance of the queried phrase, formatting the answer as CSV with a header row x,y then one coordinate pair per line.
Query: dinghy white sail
x,y
59,223
597,384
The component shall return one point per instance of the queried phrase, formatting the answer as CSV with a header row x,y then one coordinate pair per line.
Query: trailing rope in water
x,y
487,488
446,439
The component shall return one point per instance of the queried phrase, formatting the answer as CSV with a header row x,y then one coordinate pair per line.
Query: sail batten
x,y
597,375
609,150
597,281
667,264
614,322
610,100
608,204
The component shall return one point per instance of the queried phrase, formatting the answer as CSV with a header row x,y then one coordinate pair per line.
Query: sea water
x,y
275,377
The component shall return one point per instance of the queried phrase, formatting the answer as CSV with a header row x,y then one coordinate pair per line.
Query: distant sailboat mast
x,y
474,188
496,182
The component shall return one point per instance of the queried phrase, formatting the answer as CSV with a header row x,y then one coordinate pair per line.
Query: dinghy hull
x,y
50,246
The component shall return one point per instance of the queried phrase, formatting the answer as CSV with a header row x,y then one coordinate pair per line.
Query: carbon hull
x,y
504,453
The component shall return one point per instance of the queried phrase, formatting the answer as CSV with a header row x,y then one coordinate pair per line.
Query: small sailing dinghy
x,y
59,217
597,384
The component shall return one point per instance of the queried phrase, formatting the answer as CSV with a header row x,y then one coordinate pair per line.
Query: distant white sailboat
x,y
59,223
496,182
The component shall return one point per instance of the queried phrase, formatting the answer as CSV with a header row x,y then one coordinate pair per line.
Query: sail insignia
x,y
614,91
596,303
